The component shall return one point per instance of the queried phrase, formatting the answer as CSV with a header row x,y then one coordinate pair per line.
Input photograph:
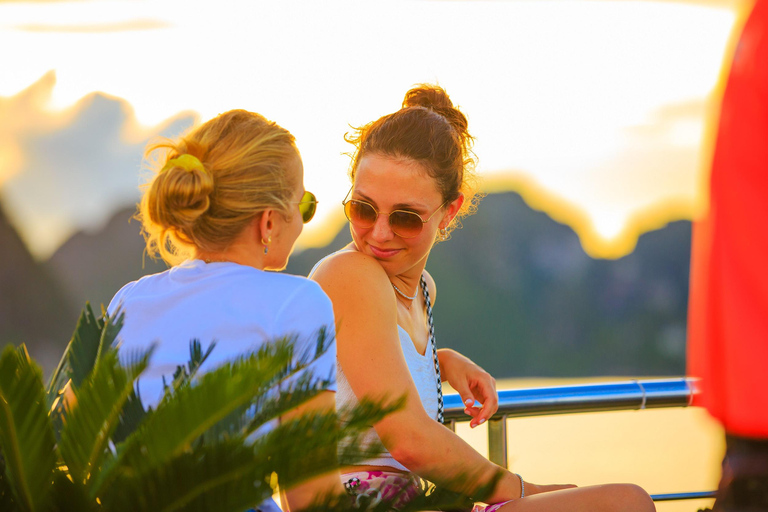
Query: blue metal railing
x,y
609,396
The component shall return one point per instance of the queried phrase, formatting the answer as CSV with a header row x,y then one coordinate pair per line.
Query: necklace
x,y
216,260
402,294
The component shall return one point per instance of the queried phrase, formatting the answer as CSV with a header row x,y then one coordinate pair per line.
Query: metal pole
x,y
609,396
497,440
684,496
613,396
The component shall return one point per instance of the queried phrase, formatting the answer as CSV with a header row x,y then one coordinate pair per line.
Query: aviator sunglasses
x,y
403,223
307,206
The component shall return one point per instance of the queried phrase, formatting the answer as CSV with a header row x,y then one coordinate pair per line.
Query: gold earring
x,y
266,244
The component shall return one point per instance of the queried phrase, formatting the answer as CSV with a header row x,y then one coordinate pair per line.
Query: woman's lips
x,y
383,253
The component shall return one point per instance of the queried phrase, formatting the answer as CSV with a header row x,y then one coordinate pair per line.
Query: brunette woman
x,y
412,180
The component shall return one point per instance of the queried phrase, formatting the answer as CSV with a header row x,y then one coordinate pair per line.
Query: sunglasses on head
x,y
403,223
307,206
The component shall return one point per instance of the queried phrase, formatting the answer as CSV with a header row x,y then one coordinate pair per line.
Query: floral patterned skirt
x,y
368,488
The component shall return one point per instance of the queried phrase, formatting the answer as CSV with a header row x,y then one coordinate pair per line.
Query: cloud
x,y
68,170
96,28
651,178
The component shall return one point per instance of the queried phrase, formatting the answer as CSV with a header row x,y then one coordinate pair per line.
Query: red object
x,y
728,309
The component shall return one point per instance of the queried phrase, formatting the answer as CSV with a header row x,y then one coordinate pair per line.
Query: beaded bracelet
x,y
522,485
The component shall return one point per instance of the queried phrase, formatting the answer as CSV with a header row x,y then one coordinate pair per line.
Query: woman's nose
x,y
381,229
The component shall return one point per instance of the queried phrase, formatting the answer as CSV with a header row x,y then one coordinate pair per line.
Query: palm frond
x,y
286,397
7,503
60,375
68,495
26,437
95,415
290,387
132,415
184,375
231,475
91,335
182,417
223,477
305,447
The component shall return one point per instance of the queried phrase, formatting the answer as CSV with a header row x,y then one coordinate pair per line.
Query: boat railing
x,y
596,397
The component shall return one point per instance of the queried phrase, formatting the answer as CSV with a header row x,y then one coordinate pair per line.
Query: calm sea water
x,y
662,450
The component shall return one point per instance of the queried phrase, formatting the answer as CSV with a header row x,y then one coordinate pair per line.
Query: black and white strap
x,y
440,417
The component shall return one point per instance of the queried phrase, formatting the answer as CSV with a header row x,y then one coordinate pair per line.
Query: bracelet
x,y
522,485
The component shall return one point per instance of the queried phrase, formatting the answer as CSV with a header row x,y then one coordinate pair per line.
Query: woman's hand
x,y
472,383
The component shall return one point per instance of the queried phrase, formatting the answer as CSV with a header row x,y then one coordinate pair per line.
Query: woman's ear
x,y
453,209
265,225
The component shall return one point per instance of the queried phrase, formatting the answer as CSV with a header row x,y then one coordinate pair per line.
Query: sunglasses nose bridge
x,y
381,229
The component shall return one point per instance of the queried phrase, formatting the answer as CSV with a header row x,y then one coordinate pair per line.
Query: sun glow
x,y
600,104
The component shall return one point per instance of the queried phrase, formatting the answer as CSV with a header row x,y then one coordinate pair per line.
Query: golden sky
x,y
593,110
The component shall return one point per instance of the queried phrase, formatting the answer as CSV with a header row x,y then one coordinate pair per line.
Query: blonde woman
x,y
225,205
411,182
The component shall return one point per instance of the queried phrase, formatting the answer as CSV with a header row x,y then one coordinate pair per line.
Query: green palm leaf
x,y
190,411
26,436
291,387
132,415
222,477
90,337
231,475
184,375
307,446
7,503
99,401
291,395
68,495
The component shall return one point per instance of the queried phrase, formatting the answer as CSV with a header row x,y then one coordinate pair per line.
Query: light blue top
x,y
238,306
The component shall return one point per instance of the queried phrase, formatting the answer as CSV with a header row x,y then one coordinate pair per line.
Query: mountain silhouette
x,y
516,292
33,307
92,266
519,296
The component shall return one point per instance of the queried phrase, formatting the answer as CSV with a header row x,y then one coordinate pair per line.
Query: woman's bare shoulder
x,y
346,265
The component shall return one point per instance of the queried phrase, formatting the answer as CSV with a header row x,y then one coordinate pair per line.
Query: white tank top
x,y
422,370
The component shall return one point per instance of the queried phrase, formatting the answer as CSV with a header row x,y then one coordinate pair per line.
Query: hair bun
x,y
429,96
436,99
180,194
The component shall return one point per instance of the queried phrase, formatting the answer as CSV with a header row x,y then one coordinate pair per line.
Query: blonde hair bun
x,y
180,194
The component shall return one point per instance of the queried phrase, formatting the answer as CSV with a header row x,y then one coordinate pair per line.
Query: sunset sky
x,y
593,110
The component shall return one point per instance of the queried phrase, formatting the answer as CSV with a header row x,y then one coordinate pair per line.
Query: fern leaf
x,y
26,436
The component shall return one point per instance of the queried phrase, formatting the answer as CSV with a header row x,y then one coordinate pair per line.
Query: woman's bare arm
x,y
371,357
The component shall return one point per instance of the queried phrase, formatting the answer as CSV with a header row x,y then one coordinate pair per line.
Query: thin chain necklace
x,y
403,294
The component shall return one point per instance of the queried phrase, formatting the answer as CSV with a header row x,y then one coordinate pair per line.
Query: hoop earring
x,y
266,244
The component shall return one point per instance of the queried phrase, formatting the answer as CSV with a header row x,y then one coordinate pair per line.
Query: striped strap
x,y
440,417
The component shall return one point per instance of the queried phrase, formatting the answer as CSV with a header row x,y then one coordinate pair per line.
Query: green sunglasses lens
x,y
307,206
